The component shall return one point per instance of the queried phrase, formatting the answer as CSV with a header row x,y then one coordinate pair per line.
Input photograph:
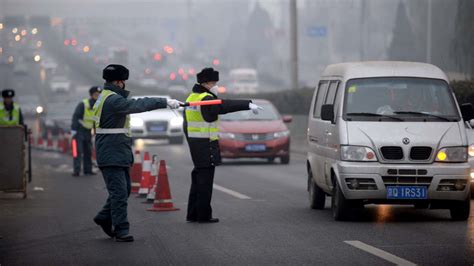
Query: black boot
x,y
106,226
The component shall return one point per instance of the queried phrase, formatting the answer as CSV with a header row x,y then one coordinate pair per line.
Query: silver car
x,y
387,133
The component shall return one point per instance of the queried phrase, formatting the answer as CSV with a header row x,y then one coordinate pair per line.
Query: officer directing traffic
x,y
202,133
82,124
10,112
114,147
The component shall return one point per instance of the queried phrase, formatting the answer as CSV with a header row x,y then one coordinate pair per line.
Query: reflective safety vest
x,y
5,115
87,120
98,112
197,126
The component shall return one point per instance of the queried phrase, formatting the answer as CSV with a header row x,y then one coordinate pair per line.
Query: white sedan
x,y
158,124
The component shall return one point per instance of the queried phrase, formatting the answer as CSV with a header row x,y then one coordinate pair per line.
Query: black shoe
x,y
75,174
210,221
90,173
106,226
125,238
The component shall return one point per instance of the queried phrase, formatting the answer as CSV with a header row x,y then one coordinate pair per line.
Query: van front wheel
x,y
460,211
340,205
317,197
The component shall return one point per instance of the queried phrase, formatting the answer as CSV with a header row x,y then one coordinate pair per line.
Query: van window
x,y
320,97
399,99
331,95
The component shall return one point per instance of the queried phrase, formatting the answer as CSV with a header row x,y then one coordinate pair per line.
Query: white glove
x,y
73,133
173,104
255,108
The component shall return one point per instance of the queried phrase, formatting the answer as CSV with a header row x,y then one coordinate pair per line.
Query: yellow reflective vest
x,y
99,104
197,127
87,120
5,115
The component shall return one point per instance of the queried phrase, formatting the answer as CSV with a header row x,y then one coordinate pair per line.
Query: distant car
x,y
58,116
158,124
60,84
243,80
149,83
247,135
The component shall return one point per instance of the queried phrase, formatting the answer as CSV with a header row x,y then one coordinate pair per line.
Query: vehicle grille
x,y
420,153
407,180
255,137
157,126
392,153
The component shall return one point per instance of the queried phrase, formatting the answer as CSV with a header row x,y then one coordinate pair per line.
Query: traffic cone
x,y
136,171
40,140
153,181
49,145
145,180
163,201
60,141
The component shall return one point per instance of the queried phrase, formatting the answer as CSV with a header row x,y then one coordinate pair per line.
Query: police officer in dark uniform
x,y
82,124
114,146
202,133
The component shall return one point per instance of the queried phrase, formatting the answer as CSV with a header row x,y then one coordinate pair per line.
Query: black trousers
x,y
84,152
199,203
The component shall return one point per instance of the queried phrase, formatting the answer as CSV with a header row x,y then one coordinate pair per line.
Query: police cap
x,y
94,89
8,93
115,72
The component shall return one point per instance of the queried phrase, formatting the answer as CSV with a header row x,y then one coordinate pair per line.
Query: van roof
x,y
383,69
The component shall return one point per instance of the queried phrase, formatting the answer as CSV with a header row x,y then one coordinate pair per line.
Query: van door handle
x,y
328,133
313,139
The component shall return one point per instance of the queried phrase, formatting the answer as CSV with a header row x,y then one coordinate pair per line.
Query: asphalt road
x,y
265,219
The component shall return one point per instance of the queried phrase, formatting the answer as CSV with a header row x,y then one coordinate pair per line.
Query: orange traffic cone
x,y
163,201
136,172
40,140
61,141
153,181
49,145
145,180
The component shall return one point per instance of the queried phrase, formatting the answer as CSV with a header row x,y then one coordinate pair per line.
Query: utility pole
x,y
428,35
293,44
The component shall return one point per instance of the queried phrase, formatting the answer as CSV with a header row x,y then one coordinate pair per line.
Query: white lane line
x,y
231,192
379,253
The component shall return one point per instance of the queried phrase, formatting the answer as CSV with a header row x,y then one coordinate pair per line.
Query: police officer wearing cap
x,y
82,124
10,112
114,146
202,133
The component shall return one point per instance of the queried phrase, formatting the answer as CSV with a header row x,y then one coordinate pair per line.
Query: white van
x,y
243,81
387,133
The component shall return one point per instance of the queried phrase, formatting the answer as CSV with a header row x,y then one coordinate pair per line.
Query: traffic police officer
x,y
82,124
10,112
114,146
202,133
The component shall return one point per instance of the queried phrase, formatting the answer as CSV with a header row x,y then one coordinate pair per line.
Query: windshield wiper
x,y
377,115
424,114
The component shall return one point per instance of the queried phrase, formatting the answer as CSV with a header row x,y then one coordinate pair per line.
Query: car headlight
x,y
452,155
281,134
226,135
176,122
471,150
358,153
136,122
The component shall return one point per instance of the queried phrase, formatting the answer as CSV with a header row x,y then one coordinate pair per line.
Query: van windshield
x,y
405,99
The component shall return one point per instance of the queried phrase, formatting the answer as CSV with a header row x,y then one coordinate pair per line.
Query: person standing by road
x,y
114,147
81,131
202,133
10,112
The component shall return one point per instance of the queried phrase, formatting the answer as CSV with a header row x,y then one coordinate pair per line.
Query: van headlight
x,y
281,134
358,153
176,122
136,122
471,150
452,155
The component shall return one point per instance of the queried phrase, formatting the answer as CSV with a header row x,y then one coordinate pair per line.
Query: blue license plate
x,y
255,147
407,192
157,128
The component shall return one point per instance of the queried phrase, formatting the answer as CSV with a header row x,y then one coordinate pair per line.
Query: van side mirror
x,y
287,118
467,111
327,112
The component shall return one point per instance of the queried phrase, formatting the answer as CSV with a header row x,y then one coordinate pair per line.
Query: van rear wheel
x,y
460,211
339,204
317,197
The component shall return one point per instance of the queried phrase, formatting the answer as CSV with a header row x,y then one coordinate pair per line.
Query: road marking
x,y
231,192
379,253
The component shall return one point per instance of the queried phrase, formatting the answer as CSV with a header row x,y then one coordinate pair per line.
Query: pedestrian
x,y
114,146
81,131
202,133
10,112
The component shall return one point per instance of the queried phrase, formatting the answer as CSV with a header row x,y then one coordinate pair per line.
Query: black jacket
x,y
206,153
78,115
116,149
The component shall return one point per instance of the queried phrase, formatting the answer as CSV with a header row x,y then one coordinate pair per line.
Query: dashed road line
x,y
379,253
231,192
